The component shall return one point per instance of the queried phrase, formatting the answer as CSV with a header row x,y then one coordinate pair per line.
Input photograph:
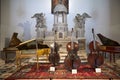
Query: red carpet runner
x,y
83,72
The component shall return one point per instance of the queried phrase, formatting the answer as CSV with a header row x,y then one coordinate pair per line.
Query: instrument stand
x,y
37,34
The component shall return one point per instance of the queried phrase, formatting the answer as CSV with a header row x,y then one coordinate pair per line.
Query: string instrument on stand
x,y
54,57
94,58
72,60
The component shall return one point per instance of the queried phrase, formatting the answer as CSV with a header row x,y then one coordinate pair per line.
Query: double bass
x,y
94,58
72,60
54,56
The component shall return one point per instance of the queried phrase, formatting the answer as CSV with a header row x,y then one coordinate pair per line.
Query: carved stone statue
x,y
40,25
40,20
80,24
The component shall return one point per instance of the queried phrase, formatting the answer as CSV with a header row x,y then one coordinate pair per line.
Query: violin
x,y
91,46
72,60
54,56
72,46
94,58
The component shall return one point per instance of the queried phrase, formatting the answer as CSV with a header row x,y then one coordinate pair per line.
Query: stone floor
x,y
9,68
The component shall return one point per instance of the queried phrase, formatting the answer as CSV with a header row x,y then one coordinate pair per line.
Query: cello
x,y
54,57
94,58
72,60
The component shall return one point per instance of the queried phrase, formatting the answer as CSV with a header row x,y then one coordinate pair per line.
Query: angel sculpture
x,y
80,23
80,19
40,20
40,25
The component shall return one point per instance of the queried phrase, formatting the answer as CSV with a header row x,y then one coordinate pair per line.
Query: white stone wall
x,y
105,17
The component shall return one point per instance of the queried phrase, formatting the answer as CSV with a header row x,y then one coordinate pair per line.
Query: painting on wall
x,y
55,2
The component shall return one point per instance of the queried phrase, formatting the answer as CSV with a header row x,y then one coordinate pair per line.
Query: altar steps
x,y
44,59
62,51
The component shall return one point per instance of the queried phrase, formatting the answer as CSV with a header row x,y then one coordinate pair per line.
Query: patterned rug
x,y
83,72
